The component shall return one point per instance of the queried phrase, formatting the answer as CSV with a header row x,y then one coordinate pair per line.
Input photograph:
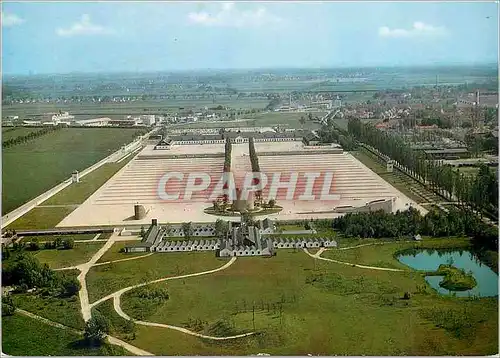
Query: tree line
x,y
435,223
479,193
329,134
29,137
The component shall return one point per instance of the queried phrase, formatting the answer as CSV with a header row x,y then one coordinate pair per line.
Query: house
x,y
266,226
151,239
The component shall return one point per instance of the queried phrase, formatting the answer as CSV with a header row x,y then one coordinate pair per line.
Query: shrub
x,y
96,329
68,244
8,307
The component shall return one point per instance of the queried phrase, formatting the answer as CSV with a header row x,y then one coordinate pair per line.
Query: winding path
x,y
317,255
372,244
117,295
112,340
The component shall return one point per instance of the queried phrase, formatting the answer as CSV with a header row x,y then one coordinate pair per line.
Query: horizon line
x,y
250,69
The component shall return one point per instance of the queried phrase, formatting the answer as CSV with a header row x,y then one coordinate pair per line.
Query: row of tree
x,y
479,193
29,137
58,243
410,222
330,134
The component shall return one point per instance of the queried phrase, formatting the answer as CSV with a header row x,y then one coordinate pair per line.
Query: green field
x,y
46,217
42,238
79,192
383,255
119,110
289,120
79,254
31,168
326,309
348,311
8,133
65,311
114,253
25,336
41,218
105,279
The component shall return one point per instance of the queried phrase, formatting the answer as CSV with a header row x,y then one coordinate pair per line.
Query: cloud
x,y
417,30
84,27
9,20
230,16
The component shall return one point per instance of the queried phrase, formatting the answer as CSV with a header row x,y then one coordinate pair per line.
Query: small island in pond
x,y
455,279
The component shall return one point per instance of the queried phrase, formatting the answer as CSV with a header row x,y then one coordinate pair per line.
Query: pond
x,y
429,260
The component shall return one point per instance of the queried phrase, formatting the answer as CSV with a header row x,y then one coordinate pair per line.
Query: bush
x,y
96,329
33,246
8,307
49,245
68,244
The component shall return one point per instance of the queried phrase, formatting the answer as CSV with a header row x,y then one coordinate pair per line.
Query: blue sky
x,y
162,36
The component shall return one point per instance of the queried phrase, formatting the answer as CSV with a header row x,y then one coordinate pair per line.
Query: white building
x,y
94,122
148,119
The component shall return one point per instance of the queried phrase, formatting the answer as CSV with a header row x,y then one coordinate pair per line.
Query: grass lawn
x,y
77,193
17,132
114,253
41,218
105,279
119,326
25,336
79,254
42,238
61,310
31,168
383,255
326,309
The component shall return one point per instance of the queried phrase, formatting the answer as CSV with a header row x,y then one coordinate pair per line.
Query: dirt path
x,y
112,340
317,255
84,269
118,309
374,243
117,295
120,260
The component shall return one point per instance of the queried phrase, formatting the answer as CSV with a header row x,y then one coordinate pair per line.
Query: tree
x,y
58,242
68,244
143,232
71,286
33,246
187,229
96,329
221,228
8,307
302,121
272,203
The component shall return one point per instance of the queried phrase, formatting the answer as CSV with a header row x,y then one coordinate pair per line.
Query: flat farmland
x,y
290,120
31,168
13,132
90,109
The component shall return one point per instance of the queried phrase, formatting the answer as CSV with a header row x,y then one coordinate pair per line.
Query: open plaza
x,y
352,184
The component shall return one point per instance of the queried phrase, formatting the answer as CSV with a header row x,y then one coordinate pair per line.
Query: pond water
x,y
429,260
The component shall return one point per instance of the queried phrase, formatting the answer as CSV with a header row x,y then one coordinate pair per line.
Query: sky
x,y
64,37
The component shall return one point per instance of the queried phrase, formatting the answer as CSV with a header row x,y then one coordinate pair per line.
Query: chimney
x,y
154,222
